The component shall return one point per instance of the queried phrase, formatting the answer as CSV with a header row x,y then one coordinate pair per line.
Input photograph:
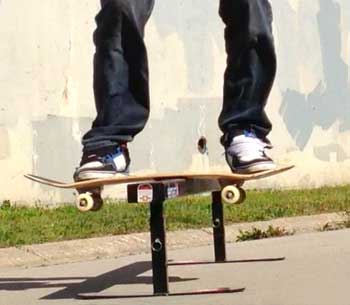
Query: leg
x,y
120,73
251,65
248,79
120,87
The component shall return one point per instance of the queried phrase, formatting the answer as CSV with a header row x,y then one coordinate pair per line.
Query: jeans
x,y
121,86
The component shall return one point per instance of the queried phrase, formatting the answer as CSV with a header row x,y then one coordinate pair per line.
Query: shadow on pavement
x,y
126,275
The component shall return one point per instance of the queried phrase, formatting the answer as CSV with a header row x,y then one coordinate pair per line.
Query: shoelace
x,y
110,156
250,147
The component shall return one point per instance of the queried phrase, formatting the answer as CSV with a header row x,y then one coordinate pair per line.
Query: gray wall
x,y
47,103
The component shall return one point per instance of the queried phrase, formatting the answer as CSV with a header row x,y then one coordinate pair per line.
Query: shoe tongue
x,y
245,139
249,134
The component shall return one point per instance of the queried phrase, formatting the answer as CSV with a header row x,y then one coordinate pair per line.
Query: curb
x,y
124,245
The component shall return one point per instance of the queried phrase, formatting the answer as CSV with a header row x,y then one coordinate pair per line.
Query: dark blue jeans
x,y
121,70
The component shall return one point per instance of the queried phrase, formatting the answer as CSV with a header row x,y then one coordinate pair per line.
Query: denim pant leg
x,y
120,73
251,66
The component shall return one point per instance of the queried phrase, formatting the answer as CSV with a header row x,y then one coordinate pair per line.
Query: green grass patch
x,y
20,225
256,233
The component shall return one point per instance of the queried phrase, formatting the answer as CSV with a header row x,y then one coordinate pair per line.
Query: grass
x,y
23,226
257,233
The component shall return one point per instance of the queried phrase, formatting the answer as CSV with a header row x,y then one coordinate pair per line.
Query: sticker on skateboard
x,y
144,193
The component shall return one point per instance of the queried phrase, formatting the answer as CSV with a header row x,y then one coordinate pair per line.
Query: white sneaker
x,y
95,166
246,154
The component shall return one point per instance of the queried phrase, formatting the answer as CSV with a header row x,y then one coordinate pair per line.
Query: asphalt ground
x,y
316,271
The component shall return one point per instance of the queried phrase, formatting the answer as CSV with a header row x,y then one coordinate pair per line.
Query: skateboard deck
x,y
121,179
89,198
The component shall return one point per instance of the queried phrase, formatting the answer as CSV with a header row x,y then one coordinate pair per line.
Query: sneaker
x,y
96,166
245,154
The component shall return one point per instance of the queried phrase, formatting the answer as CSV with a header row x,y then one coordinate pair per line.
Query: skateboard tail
x,y
46,181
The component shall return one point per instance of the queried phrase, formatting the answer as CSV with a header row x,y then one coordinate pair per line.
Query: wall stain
x,y
329,101
331,153
198,26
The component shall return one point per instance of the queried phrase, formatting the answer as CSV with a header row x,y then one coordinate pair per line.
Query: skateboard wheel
x,y
233,194
85,202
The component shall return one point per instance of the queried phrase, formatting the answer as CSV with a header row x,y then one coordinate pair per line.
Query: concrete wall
x,y
47,104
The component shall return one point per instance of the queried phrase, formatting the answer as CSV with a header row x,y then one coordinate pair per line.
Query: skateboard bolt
x,y
157,245
83,203
230,195
216,223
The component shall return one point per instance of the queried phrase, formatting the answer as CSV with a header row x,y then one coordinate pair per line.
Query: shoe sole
x,y
255,168
90,175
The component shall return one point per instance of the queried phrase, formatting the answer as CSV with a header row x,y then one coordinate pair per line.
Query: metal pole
x,y
158,246
218,227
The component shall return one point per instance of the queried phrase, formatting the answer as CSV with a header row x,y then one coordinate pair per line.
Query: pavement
x,y
125,245
316,269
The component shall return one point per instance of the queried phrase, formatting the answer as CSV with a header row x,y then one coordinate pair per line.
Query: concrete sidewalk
x,y
316,272
123,245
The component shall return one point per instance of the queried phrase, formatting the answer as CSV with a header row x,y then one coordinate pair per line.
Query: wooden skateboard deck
x,y
93,183
89,197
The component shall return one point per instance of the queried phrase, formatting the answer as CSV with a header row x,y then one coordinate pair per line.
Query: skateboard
x,y
89,191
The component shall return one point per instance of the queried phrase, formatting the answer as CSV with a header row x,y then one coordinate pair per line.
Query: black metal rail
x,y
155,193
